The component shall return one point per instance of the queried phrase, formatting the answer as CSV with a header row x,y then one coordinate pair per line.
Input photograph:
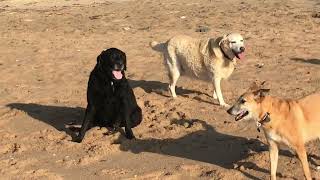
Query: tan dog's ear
x,y
262,83
253,87
260,93
256,86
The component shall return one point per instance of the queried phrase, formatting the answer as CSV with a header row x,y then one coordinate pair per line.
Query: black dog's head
x,y
113,62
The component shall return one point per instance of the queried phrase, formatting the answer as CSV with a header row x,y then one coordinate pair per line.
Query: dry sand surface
x,y
48,49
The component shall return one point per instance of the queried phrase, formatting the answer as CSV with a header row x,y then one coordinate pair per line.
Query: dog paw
x,y
215,96
173,96
77,139
111,132
130,136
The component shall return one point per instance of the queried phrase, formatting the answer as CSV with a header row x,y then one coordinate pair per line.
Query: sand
x,y
48,49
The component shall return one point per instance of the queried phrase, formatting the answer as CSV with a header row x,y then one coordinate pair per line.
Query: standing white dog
x,y
208,60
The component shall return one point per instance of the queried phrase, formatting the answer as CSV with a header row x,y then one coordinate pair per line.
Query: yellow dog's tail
x,y
158,46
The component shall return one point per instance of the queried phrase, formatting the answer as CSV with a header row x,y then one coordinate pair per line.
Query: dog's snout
x,y
119,66
229,111
242,49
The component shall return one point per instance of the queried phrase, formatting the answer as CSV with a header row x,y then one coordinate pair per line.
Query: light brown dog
x,y
285,121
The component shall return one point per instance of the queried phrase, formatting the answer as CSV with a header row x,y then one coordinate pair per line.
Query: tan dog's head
x,y
248,104
232,46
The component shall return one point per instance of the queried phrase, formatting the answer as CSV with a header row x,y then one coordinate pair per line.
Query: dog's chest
x,y
272,135
223,68
112,88
112,92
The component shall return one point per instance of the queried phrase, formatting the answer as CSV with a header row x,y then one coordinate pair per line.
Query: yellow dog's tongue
x,y
117,74
241,55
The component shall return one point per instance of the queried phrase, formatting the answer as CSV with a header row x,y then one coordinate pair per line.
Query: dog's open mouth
x,y
241,115
239,55
117,74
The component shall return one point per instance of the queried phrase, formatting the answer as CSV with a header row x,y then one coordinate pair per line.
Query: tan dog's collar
x,y
264,119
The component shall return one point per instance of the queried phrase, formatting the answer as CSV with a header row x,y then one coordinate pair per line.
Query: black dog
x,y
111,101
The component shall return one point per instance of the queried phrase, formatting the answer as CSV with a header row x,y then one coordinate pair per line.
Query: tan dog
x,y
289,122
208,60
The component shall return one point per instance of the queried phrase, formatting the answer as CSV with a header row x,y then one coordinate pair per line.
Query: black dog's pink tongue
x,y
117,74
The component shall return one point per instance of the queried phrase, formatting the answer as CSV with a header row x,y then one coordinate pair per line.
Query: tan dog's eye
x,y
242,101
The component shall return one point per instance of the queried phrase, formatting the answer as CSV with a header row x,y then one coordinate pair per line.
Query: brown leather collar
x,y
264,119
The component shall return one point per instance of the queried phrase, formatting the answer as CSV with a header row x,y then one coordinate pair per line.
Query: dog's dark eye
x,y
233,42
242,101
241,40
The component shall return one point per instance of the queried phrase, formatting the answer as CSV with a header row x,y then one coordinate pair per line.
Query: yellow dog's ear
x,y
224,38
224,44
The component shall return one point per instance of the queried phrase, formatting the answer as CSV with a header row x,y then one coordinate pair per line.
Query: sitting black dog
x,y
111,101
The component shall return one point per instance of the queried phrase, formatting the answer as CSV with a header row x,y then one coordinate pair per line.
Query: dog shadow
x,y
60,117
161,89
205,145
310,61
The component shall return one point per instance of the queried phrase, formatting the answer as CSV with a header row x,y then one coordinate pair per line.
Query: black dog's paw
x,y
112,131
73,128
77,139
109,133
130,136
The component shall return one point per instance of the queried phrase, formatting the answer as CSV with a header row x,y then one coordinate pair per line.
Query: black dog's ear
x,y
99,60
125,61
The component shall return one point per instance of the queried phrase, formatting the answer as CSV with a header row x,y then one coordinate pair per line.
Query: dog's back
x,y
181,44
183,53
310,106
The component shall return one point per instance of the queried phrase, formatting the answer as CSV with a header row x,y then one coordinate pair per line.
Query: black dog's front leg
x,y
87,122
128,130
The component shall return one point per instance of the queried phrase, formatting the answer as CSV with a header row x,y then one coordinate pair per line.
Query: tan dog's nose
x,y
229,111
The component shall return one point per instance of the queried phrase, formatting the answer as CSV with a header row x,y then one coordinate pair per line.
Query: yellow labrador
x,y
208,60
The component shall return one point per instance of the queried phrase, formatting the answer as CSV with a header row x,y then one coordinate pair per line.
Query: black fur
x,y
111,102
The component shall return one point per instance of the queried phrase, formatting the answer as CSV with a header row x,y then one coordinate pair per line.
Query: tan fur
x,y
195,58
293,123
